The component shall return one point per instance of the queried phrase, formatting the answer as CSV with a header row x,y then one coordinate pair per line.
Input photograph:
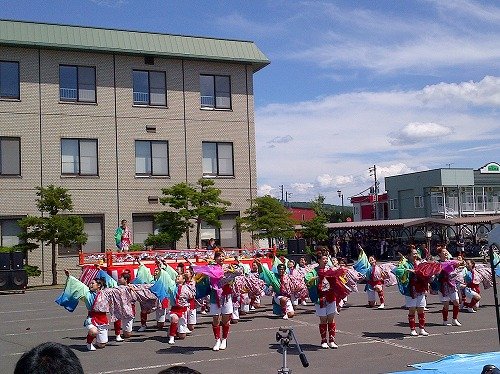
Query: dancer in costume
x,y
447,286
96,322
413,281
325,288
221,303
255,299
191,313
374,283
160,308
125,323
472,290
281,285
123,237
179,308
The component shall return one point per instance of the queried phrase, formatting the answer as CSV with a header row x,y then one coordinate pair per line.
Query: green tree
x,y
315,228
267,218
55,228
195,204
171,227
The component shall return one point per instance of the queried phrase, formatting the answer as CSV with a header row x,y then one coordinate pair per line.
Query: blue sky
x,y
403,85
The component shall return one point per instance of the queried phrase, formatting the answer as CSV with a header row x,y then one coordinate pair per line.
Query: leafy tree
x,y
340,216
194,204
315,228
55,228
267,218
171,227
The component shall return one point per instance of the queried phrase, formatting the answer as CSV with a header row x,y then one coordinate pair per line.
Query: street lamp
x,y
428,235
341,195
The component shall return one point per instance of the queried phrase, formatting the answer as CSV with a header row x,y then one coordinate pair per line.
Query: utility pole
x,y
373,172
282,191
287,194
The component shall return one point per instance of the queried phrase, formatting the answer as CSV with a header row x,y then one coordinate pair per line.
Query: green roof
x,y
53,36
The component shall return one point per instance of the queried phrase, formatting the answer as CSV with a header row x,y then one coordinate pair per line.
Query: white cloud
x,y
398,130
395,169
264,190
302,187
280,140
386,42
327,180
484,92
419,132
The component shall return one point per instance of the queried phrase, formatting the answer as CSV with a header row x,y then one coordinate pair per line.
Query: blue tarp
x,y
458,363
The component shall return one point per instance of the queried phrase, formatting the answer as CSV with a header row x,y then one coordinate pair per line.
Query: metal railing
x,y
141,97
207,101
68,93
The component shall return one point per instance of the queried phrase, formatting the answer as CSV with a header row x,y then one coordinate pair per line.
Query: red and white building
x,y
365,207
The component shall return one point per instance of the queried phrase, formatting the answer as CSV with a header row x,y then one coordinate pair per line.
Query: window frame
x,y
393,204
19,155
149,88
418,202
214,106
79,174
4,220
151,142
18,97
75,249
217,174
78,100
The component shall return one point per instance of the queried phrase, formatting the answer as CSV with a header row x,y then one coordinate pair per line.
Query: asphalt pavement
x,y
370,340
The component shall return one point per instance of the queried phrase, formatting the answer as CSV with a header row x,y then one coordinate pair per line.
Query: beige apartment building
x,y
114,116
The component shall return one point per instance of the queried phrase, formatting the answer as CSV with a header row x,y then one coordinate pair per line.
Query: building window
x,y
215,91
218,159
419,202
393,204
143,226
77,83
93,227
9,231
79,157
9,80
10,156
149,88
226,236
208,232
151,158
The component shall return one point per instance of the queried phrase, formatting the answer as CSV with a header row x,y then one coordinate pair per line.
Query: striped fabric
x,y
89,273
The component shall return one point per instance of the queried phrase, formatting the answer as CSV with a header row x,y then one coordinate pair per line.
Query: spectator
x,y
490,369
211,244
179,370
49,358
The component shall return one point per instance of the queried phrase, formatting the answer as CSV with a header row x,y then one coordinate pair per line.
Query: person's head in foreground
x,y
179,370
49,358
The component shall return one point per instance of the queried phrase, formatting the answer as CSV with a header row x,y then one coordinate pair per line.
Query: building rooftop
x,y
79,38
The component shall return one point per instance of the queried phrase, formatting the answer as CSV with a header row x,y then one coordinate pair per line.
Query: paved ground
x,y
371,341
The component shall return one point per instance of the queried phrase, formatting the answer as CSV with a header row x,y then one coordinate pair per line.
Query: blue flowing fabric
x,y
143,275
108,279
457,364
202,287
362,265
496,261
164,287
276,262
74,290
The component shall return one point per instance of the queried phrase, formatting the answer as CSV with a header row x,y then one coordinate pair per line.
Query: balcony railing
x,y
141,97
68,93
207,101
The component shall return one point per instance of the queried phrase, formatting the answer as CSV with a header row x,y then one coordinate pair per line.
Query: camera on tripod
x,y
285,336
